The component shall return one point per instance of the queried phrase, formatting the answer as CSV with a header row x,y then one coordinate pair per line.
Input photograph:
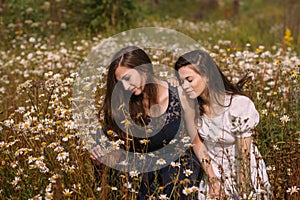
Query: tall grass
x,y
41,153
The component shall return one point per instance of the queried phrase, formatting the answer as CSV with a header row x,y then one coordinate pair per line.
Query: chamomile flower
x,y
163,197
185,139
67,192
134,173
186,191
114,188
16,181
161,161
292,190
62,156
175,164
188,172
284,119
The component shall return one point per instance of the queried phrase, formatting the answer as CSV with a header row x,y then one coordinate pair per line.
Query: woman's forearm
x,y
111,158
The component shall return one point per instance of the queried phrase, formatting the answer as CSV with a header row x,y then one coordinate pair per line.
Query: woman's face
x,y
131,79
193,83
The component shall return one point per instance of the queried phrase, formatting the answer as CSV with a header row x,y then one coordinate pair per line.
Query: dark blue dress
x,y
169,131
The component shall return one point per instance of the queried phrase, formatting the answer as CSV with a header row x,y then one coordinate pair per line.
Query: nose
x,y
185,85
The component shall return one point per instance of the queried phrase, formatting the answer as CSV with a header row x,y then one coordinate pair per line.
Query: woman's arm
x,y
111,158
244,174
198,146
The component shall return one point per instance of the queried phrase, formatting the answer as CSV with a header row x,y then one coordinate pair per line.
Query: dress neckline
x,y
168,105
226,102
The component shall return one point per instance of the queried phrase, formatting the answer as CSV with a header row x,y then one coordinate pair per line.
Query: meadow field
x,y
42,154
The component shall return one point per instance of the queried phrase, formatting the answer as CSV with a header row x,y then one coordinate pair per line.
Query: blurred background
x,y
255,21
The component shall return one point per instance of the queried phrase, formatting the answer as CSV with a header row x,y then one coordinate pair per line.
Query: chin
x,y
137,93
193,97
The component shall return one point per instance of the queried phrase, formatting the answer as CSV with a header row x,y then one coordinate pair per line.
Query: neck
x,y
213,106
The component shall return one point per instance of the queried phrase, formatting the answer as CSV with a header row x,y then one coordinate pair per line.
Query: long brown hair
x,y
132,57
204,64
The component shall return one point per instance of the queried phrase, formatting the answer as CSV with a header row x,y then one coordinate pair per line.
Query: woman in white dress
x,y
225,119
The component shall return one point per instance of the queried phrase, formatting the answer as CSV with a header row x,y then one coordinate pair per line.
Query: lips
x,y
133,90
190,93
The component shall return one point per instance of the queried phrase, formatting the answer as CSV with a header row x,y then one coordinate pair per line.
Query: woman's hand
x,y
215,188
188,104
173,81
96,154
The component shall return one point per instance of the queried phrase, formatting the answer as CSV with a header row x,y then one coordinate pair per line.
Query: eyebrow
x,y
188,77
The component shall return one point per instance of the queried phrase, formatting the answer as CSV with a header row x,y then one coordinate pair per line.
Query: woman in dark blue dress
x,y
144,116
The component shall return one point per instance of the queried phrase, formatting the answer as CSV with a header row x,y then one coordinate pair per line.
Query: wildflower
x,y
134,173
289,171
42,166
36,197
8,122
288,37
52,145
163,74
151,154
26,125
70,124
67,192
53,178
114,188
173,141
275,147
67,137
103,139
284,119
20,110
175,164
48,74
270,168
185,139
98,189
59,149
16,181
194,188
187,172
48,187
110,132
144,141
49,195
186,191
126,122
292,190
14,164
142,157
116,144
62,156
294,74
128,185
149,130
163,197
31,159
190,145
161,161
40,127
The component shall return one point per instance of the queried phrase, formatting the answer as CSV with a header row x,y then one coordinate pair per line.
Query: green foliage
x,y
70,17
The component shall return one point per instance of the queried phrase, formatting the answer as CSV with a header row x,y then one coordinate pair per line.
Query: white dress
x,y
220,134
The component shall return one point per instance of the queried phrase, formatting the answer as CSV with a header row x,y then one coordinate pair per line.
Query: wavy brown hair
x,y
218,83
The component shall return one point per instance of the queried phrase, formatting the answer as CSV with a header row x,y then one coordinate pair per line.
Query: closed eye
x,y
189,79
126,77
